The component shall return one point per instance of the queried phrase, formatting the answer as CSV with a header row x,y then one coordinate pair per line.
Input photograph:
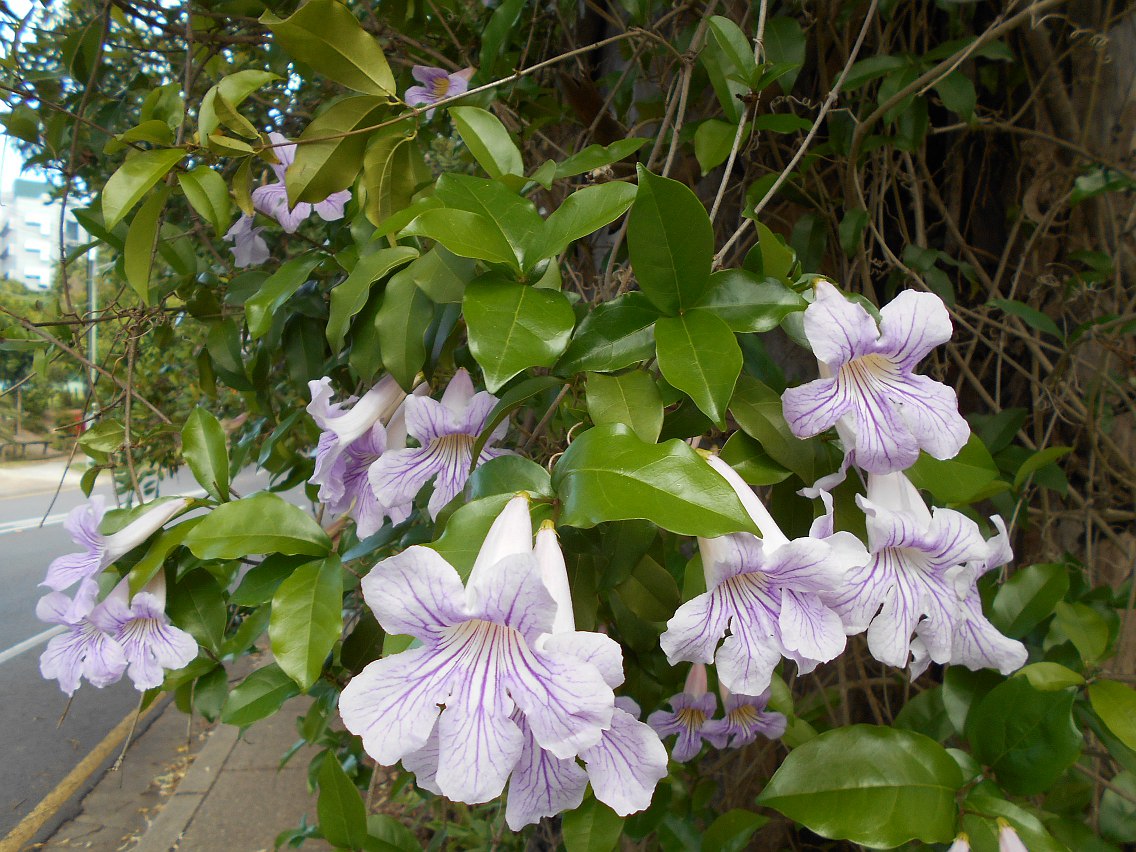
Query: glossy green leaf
x,y
263,523
401,324
1046,677
614,335
258,696
699,355
583,212
441,275
142,244
961,479
1037,461
1083,626
342,814
510,401
205,449
671,243
712,143
465,234
650,591
1115,704
275,291
983,801
771,257
963,689
515,216
321,168
757,408
208,193
133,179
261,582
1027,737
209,693
513,327
632,399
597,156
747,303
785,44
161,546
307,618
495,37
731,831
488,141
608,474
592,827
325,35
753,464
349,297
385,184
195,604
229,93
1028,597
509,475
875,786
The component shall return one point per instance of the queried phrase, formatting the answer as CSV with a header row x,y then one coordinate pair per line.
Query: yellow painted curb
x,y
66,788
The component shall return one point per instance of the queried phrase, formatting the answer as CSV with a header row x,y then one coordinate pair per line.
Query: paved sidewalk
x,y
31,477
221,793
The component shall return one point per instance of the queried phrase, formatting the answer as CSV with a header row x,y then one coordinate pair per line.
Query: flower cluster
x,y
502,688
690,719
122,634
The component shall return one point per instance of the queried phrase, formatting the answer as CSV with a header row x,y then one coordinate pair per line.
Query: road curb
x,y
174,818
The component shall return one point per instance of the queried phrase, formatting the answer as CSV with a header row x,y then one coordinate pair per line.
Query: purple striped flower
x,y
84,650
142,629
689,719
745,717
249,247
272,199
100,550
770,594
916,594
452,704
446,431
884,412
437,85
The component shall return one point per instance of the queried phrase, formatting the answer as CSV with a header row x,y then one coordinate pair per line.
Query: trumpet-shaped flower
x,y
961,844
352,440
868,384
100,550
770,594
689,719
1008,840
249,247
479,665
272,199
436,85
922,569
446,431
83,650
629,759
142,629
745,717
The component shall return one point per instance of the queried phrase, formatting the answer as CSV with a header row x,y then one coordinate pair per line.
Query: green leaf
x,y
878,787
342,814
322,168
592,827
488,141
1115,704
1037,461
583,212
401,325
210,692
263,523
197,606
465,234
747,303
1083,626
228,94
597,156
958,94
1027,737
260,695
133,179
732,830
465,531
1028,597
612,336
205,449
508,475
1047,677
494,38
712,143
1030,316
510,401
307,618
161,546
515,217
275,291
208,193
699,355
142,243
441,275
325,35
753,464
387,184
632,399
735,48
608,474
959,479
1032,831
671,243
262,581
757,409
650,591
349,297
785,45
513,327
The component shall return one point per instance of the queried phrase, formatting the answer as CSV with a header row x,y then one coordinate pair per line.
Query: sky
x,y
10,161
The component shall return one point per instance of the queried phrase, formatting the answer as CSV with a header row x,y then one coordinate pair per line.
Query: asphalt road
x,y
41,738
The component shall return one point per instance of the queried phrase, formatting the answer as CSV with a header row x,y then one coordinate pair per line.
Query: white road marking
x,y
32,523
28,644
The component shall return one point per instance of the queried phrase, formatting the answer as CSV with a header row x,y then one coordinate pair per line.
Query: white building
x,y
29,234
